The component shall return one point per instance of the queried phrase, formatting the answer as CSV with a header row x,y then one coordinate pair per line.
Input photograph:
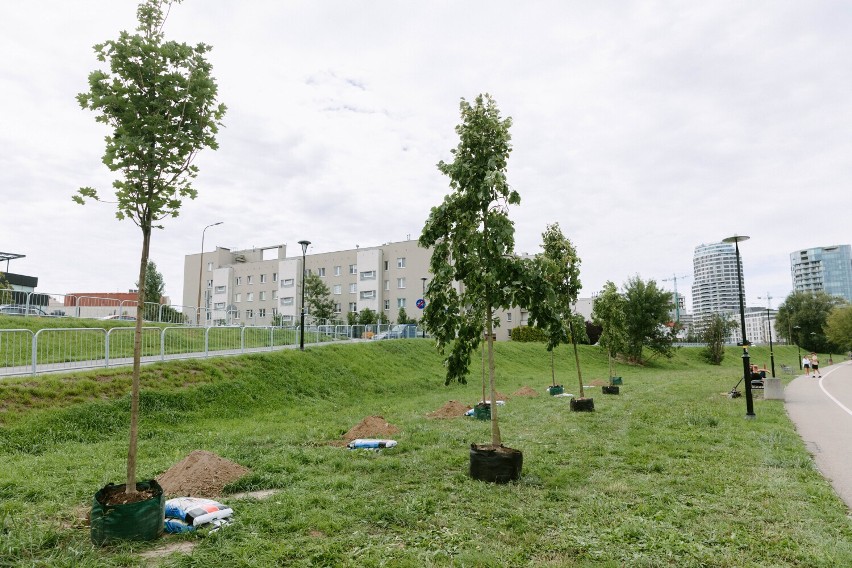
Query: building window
x,y
261,312
250,297
337,271
209,283
337,289
209,267
220,289
219,306
368,275
387,305
400,302
288,319
288,301
274,312
238,298
353,269
321,272
400,262
353,288
249,314
387,285
367,294
337,308
238,281
509,318
263,278
387,265
275,294
262,296
287,283
249,279
353,307
275,277
400,282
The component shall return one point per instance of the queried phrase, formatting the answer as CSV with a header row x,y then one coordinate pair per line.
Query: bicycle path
x,y
821,409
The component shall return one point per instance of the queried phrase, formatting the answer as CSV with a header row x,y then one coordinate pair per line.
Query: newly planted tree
x,y
608,312
158,98
473,240
714,333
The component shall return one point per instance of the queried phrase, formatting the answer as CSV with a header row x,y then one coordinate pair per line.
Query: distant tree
x,y
593,332
608,312
154,287
809,311
838,328
716,330
5,290
318,298
159,100
368,317
473,240
351,318
646,313
277,320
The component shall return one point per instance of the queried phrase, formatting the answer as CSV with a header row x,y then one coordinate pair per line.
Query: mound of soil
x,y
599,383
371,427
452,409
200,474
525,391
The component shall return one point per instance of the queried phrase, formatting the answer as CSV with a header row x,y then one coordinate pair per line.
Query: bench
x,y
786,369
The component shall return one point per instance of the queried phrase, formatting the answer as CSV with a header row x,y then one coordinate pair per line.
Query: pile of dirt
x,y
200,474
371,427
452,409
525,391
598,383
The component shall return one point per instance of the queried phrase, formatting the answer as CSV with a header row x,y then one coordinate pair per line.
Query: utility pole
x,y
768,299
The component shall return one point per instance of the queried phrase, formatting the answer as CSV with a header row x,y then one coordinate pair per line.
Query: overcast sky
x,y
643,128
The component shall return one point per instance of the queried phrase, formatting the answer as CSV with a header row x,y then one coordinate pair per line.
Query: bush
x,y
527,334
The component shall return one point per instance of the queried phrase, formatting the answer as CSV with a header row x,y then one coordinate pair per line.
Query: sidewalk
x,y
821,409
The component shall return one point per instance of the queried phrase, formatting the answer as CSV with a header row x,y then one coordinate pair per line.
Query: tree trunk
x,y
552,369
576,358
495,428
130,486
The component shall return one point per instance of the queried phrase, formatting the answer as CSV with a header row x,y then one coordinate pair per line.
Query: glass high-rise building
x,y
714,283
823,269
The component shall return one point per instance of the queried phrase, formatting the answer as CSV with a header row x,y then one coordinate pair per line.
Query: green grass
x,y
669,473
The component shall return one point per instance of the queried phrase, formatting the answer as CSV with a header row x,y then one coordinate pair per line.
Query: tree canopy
x,y
318,298
838,327
646,313
608,313
809,311
716,330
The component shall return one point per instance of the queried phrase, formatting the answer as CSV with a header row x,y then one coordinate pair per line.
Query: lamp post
x,y
798,350
423,279
769,328
736,239
201,269
304,271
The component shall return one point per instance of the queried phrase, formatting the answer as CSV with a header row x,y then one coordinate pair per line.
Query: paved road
x,y
822,412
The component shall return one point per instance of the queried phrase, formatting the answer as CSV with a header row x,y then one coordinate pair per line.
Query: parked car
x,y
121,317
402,331
21,310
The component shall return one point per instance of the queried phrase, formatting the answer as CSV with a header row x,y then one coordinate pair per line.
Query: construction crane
x,y
676,299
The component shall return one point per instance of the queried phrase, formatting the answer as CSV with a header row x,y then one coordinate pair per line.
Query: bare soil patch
x,y
371,427
452,409
599,383
525,391
200,474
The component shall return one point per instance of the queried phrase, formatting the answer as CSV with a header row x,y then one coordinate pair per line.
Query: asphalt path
x,y
821,409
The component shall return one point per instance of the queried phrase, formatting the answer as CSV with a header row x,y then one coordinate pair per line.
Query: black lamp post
x,y
769,328
736,239
798,350
423,334
201,269
304,271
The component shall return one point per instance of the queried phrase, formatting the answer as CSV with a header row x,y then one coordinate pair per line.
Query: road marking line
x,y
828,394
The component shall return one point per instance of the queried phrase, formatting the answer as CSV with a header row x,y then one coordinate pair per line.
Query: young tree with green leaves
x,y
608,312
473,240
809,311
838,327
158,97
559,265
402,316
318,298
154,287
716,330
646,313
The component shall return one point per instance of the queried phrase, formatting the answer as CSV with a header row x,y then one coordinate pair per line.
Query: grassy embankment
x,y
667,473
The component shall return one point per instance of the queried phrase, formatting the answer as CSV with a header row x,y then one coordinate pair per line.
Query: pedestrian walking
x,y
806,365
815,365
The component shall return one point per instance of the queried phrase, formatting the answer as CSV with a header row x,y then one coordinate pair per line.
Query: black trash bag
x,y
143,520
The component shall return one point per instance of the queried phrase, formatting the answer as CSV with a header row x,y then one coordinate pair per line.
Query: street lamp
x,y
423,279
304,271
736,239
769,328
798,350
201,268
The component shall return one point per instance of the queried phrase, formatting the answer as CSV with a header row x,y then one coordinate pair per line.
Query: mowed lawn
x,y
667,473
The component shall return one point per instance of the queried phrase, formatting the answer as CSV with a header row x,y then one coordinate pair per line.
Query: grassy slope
x,y
667,473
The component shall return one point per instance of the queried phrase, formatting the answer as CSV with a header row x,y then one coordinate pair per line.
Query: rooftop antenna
x,y
677,301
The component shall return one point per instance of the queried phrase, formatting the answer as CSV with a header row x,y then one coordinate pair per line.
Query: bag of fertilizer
x,y
196,511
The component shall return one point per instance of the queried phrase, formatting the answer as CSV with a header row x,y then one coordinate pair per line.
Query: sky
x,y
643,128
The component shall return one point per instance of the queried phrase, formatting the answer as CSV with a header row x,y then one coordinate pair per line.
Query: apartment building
x,y
823,269
715,285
